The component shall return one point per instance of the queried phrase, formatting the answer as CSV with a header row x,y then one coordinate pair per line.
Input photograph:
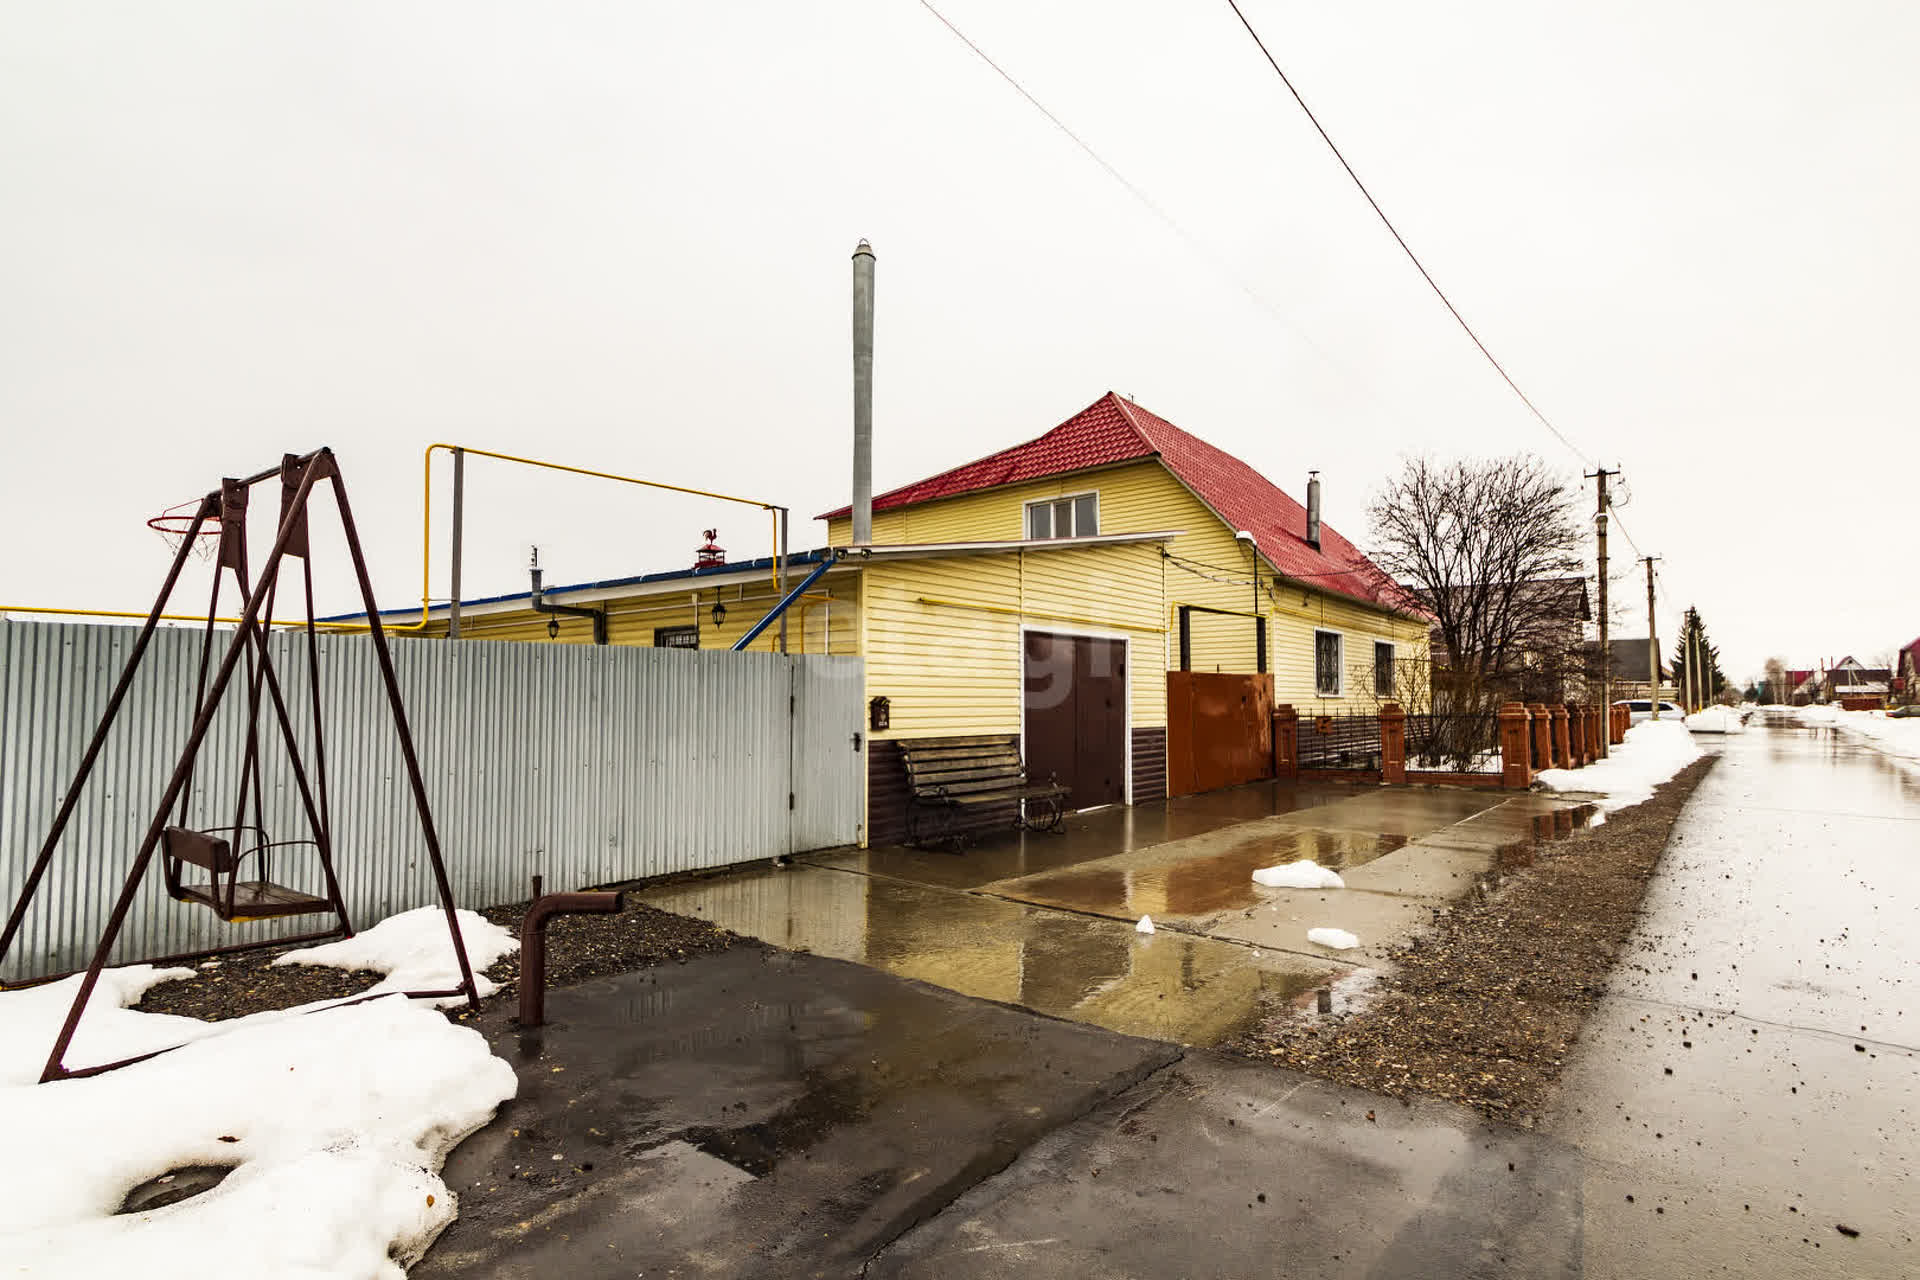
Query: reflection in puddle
x,y
1555,825
1198,885
1171,986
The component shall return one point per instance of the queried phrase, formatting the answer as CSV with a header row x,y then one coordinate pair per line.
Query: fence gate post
x,y
1286,741
1393,743
1540,734
1516,747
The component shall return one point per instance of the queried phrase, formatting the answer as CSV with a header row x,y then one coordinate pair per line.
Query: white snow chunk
x,y
415,952
1304,874
1338,939
1716,720
1145,925
335,1124
1651,752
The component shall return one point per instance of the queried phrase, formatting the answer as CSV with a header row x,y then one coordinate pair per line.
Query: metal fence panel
x,y
587,765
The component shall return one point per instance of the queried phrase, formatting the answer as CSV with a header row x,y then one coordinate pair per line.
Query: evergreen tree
x,y
1706,657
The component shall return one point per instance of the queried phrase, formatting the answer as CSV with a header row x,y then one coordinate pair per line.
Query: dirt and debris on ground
x,y
1483,1007
579,948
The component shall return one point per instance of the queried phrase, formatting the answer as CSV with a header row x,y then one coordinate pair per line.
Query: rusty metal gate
x,y
1219,730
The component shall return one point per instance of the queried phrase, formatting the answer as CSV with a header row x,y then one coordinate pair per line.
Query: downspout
x,y
540,605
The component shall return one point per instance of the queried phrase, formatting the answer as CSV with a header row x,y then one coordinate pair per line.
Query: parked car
x,y
1642,709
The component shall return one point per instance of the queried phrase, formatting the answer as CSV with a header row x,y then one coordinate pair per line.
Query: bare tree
x,y
1479,544
1776,691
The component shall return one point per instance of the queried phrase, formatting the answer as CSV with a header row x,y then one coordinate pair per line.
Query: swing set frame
x,y
211,849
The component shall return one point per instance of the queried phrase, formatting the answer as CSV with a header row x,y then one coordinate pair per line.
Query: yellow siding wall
x,y
833,603
943,637
1210,568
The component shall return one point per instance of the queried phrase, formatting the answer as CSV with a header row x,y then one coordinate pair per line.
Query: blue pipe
x,y
774,615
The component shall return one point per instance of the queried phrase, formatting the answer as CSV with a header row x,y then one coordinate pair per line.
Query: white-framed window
x,y
1382,669
1074,516
1326,663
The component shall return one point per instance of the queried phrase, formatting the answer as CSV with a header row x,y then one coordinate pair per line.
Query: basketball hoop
x,y
176,522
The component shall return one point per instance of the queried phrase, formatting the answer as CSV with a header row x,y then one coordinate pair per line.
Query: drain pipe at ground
x,y
533,942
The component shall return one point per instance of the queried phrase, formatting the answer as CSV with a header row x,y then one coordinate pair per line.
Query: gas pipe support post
x,y
533,942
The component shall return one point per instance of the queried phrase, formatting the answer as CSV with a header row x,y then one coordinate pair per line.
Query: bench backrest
x,y
958,766
199,848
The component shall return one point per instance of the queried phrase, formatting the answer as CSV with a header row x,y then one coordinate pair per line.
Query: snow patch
x,y
1145,925
1304,874
335,1124
415,952
1716,720
1898,737
1651,752
1338,939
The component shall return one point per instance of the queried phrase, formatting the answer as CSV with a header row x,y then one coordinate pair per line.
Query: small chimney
x,y
710,555
863,394
1313,509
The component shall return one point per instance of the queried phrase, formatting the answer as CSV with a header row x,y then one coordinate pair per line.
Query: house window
x,y
1074,517
1326,663
676,637
1382,669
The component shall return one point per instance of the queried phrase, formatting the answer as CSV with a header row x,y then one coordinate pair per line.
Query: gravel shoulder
x,y
1483,1007
579,948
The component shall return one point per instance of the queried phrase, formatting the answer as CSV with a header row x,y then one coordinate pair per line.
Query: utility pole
x,y
1653,644
1606,651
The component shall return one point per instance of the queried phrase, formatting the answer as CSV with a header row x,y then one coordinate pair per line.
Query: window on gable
x,y
1382,669
1075,517
1326,663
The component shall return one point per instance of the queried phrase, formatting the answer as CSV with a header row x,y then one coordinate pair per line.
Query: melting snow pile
x,y
1900,738
1716,720
1304,874
1145,925
1652,752
1338,939
334,1124
415,952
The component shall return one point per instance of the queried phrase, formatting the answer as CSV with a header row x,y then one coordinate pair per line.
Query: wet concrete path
x,y
1047,921
1752,1081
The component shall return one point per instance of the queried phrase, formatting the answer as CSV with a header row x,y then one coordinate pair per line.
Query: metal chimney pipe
x,y
1313,509
863,394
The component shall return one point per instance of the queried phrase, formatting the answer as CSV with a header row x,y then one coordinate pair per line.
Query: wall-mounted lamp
x,y
719,613
553,628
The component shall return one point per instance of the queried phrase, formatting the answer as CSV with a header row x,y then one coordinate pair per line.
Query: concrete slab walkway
x,y
1047,921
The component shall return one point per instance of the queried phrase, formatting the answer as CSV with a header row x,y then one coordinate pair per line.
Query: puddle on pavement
x,y
1184,885
174,1186
1557,824
757,1146
1169,985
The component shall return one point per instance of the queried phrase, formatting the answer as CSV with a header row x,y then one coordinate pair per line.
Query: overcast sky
x,y
617,234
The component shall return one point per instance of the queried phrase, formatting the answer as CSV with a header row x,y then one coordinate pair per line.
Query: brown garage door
x,y
1076,715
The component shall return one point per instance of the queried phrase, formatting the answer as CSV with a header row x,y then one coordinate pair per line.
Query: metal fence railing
x,y
1350,741
1443,743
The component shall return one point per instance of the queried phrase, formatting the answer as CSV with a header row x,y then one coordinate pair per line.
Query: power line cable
x,y
1401,240
1159,211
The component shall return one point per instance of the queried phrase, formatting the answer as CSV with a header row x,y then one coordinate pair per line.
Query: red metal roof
x,y
1112,430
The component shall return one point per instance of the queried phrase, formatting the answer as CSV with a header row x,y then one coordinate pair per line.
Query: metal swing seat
x,y
234,900
233,864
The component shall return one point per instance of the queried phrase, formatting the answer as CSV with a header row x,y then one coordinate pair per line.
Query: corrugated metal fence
x,y
587,765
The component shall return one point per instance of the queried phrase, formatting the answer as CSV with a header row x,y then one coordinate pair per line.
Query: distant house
x,y
1803,686
1629,664
1856,687
1550,660
1906,673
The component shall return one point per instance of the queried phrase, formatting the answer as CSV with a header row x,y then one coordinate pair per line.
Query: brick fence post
x,y
1576,735
1621,719
1562,752
1286,741
1393,743
1595,727
1516,746
1540,732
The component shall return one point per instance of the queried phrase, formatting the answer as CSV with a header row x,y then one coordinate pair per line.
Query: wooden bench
x,y
947,777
